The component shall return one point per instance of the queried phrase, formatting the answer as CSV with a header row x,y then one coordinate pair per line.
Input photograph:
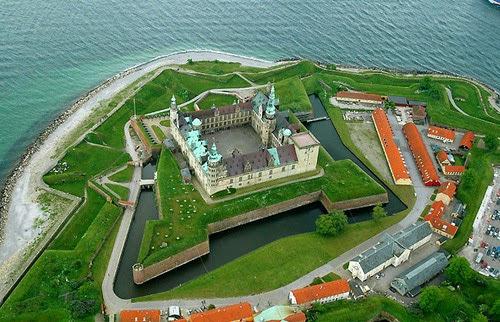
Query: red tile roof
x,y
434,218
140,316
421,155
448,188
453,169
235,312
360,96
442,157
467,140
439,133
320,291
296,317
393,155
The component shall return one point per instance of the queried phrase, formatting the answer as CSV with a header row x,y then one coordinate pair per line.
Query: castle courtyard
x,y
242,139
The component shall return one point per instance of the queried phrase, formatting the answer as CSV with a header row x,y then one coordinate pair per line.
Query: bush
x,y
491,142
331,224
378,212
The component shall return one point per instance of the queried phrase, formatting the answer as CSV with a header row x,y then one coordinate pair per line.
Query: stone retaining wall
x,y
143,274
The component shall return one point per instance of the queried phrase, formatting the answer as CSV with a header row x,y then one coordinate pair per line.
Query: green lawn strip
x,y
58,282
472,195
490,109
159,133
218,67
245,190
124,175
308,251
440,110
100,263
324,279
77,226
119,190
187,220
165,122
95,138
368,309
84,161
292,95
301,69
467,98
216,99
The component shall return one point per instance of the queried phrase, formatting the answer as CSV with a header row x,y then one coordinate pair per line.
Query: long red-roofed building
x,y
421,155
359,97
393,155
322,293
440,133
467,141
140,316
241,312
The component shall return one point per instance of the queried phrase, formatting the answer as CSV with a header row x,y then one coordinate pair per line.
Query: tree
x,y
425,84
459,271
190,61
429,299
468,179
491,142
331,224
378,212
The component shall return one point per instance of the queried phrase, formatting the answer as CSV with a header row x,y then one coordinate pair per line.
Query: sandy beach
x,y
19,195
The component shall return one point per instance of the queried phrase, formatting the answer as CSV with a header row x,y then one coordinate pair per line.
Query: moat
x,y
234,243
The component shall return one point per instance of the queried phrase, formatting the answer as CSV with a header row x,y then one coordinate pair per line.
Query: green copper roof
x,y
271,108
278,312
287,132
274,153
214,155
196,122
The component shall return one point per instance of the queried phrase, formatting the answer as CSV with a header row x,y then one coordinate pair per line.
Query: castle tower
x,y
269,119
214,165
174,112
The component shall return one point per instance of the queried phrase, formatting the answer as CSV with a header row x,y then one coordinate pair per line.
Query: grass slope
x,y
217,100
292,95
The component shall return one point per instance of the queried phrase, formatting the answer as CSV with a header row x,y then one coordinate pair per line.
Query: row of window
x,y
259,175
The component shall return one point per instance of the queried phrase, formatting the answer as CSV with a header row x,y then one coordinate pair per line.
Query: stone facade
x,y
282,153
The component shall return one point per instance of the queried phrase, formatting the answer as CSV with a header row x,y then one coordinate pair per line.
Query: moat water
x,y
229,245
53,51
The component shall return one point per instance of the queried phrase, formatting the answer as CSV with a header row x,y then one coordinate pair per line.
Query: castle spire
x,y
173,103
271,102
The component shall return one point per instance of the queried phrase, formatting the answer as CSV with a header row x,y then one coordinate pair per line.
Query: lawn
x,y
124,175
472,195
119,190
83,162
159,133
60,285
308,252
301,69
217,100
366,310
185,214
292,95
218,67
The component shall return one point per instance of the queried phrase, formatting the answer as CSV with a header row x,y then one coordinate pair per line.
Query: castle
x,y
268,148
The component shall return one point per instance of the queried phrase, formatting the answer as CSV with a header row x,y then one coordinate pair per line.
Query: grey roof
x,y
420,273
223,110
258,160
392,245
398,100
416,103
257,100
376,255
282,123
413,234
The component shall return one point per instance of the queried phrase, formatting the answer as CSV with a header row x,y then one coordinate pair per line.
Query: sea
x,y
52,51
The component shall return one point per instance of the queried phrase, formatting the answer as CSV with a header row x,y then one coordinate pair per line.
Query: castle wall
x,y
144,274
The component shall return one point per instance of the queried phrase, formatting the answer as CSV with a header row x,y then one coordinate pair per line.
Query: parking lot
x,y
484,251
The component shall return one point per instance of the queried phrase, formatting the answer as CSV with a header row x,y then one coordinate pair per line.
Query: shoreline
x,y
16,195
